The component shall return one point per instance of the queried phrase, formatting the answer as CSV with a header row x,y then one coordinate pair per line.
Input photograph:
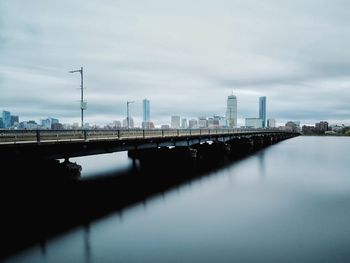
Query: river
x,y
289,202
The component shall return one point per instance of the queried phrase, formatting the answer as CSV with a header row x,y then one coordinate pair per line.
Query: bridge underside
x,y
65,150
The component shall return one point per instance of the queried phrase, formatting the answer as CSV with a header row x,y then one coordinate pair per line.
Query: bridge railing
x,y
27,136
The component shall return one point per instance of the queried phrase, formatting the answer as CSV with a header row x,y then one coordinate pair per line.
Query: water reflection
x,y
87,247
261,157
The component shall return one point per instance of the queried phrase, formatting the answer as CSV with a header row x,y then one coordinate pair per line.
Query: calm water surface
x,y
287,203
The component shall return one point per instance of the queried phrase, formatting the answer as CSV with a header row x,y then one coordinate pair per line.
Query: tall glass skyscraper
x,y
6,119
262,110
231,111
146,110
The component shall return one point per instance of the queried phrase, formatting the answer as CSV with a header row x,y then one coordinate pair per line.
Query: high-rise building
x,y
6,119
175,122
271,123
202,122
146,123
1,124
146,110
262,110
14,120
231,111
192,124
184,123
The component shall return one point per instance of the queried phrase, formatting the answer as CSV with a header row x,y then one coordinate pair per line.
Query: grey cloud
x,y
185,60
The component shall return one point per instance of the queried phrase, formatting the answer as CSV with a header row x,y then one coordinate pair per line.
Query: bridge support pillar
x,y
164,158
241,147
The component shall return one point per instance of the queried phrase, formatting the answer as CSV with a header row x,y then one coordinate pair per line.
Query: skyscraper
x,y
271,123
262,110
184,123
175,122
146,110
6,119
231,111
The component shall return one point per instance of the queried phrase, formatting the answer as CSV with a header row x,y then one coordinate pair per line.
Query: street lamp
x,y
83,104
127,112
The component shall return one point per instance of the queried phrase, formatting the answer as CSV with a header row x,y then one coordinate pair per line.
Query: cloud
x,y
183,56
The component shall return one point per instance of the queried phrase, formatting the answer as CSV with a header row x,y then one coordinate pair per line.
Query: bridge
x,y
63,144
36,186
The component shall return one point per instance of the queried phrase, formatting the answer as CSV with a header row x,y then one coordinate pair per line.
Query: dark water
x,y
287,203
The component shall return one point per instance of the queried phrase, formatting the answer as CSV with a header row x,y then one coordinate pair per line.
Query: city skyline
x,y
178,64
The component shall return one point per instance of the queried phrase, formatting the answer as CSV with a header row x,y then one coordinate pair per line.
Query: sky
x,y
185,56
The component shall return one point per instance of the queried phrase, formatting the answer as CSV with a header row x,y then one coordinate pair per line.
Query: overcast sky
x,y
185,56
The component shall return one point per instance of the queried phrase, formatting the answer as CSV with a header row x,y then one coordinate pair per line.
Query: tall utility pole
x,y
82,103
127,112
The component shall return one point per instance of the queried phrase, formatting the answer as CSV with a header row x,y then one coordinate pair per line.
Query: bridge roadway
x,y
57,144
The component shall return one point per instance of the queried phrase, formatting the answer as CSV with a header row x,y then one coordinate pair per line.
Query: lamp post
x,y
82,103
127,113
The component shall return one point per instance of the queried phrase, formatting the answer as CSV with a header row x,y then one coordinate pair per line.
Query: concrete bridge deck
x,y
52,144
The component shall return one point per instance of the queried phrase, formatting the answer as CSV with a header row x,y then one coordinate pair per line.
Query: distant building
x,y
322,126
184,123
28,125
49,123
1,124
146,110
220,121
253,123
14,120
6,119
46,124
262,110
231,111
165,127
147,125
175,122
54,121
202,122
57,126
131,123
192,124
212,123
116,124
271,123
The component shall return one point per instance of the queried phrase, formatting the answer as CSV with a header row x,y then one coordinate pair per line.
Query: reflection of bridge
x,y
51,144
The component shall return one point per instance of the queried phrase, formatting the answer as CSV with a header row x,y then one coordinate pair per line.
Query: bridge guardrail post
x,y
162,133
118,134
143,133
85,135
37,135
177,132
